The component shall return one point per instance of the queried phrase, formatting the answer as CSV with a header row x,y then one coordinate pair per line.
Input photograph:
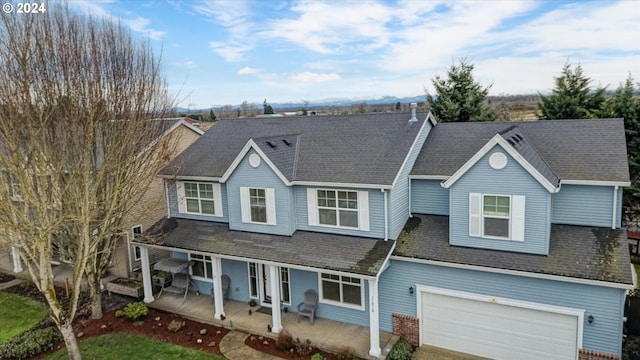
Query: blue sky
x,y
226,52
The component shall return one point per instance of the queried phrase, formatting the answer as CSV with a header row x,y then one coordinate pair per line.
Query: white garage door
x,y
495,330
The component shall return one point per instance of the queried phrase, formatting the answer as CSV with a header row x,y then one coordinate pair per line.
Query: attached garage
x,y
498,328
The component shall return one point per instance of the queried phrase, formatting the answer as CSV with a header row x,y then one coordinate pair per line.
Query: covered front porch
x,y
275,272
325,334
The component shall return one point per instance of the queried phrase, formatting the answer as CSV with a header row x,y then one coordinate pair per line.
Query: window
x,y
14,187
258,205
199,198
202,266
344,290
338,208
253,280
496,216
137,231
285,288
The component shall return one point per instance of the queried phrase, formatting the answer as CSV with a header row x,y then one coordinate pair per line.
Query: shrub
x,y
303,348
346,353
402,350
30,343
134,311
175,325
317,356
284,340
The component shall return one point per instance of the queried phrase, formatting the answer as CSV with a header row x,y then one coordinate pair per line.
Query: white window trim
x,y
252,296
516,216
206,269
340,303
258,273
136,255
288,284
270,202
362,210
217,198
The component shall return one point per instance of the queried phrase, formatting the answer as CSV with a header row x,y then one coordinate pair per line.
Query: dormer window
x,y
494,216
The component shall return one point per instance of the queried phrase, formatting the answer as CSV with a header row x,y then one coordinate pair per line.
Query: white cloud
x,y
141,24
190,65
230,51
313,77
249,71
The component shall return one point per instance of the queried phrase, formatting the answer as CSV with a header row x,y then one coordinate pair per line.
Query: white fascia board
x,y
429,177
516,273
189,126
431,118
189,178
252,145
266,262
499,140
595,183
387,261
411,149
340,185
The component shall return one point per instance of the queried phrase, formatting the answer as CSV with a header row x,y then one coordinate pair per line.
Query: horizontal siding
x,y
260,177
429,197
376,215
399,195
173,205
512,180
584,205
605,304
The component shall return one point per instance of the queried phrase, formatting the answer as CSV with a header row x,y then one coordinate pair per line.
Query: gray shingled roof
x,y
572,149
356,255
362,149
575,251
514,136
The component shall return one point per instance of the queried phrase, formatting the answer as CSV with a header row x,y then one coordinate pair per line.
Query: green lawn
x,y
128,346
18,314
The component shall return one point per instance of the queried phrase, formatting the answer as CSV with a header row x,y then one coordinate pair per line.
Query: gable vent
x,y
272,145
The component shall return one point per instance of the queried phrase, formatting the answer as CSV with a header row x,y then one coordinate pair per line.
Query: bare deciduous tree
x,y
77,146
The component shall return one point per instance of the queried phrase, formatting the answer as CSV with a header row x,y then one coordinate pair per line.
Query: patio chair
x,y
226,280
309,305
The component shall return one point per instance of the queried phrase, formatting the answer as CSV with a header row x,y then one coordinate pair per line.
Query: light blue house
x,y
495,239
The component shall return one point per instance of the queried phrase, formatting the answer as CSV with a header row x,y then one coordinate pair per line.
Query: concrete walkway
x,y
233,348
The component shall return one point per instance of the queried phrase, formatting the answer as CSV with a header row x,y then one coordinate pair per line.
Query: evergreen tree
x,y
572,97
459,97
267,108
625,103
212,116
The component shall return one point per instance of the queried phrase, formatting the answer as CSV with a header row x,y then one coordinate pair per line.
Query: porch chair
x,y
309,305
226,280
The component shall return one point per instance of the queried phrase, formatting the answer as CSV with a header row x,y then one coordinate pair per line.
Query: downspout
x,y
386,215
615,206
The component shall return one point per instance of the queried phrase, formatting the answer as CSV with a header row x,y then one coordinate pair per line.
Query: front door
x,y
260,284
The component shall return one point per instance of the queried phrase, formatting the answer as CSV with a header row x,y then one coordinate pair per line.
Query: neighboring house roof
x,y
581,252
363,256
586,150
353,149
170,124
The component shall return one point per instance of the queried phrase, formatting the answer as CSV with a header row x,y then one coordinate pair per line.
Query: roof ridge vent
x,y
286,142
272,145
413,112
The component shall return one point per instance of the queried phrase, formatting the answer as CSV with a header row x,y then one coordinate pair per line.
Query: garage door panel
x,y
496,330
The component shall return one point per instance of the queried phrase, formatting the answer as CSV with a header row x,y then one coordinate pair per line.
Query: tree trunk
x,y
70,341
96,298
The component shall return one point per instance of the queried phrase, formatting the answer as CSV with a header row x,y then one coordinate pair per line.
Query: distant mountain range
x,y
323,103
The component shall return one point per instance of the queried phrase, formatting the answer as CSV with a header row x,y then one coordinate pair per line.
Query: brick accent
x,y
408,327
584,354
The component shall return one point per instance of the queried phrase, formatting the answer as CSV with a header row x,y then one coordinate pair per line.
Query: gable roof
x,y
353,149
515,144
571,150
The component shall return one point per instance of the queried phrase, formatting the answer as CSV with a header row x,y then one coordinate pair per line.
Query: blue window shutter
x,y
312,206
270,198
245,207
363,210
517,217
475,214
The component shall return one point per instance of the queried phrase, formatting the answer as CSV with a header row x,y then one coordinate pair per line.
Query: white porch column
x,y
146,274
374,320
17,263
275,299
218,300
